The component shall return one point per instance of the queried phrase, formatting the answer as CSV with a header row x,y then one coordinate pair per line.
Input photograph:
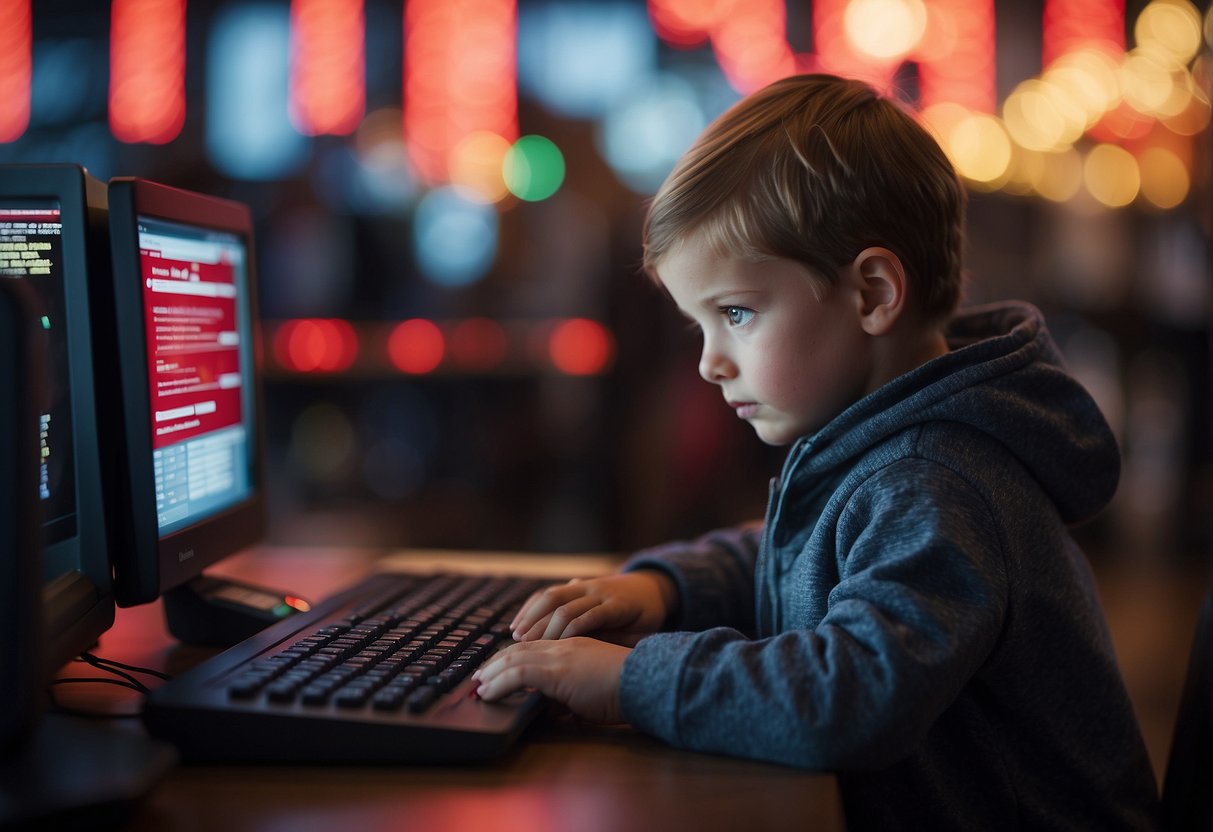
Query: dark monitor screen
x,y
52,235
187,370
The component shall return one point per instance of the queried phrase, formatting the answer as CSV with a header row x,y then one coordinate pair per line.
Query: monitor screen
x,y
188,427
52,233
31,247
195,308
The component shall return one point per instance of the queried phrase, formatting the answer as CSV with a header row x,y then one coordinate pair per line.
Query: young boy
x,y
913,613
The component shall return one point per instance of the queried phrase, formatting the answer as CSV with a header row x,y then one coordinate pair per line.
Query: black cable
x,y
123,680
134,683
103,663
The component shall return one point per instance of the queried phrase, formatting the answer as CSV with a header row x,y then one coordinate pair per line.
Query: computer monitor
x,y
56,771
186,420
20,533
52,236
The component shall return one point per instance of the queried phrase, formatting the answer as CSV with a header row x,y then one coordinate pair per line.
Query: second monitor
x,y
187,423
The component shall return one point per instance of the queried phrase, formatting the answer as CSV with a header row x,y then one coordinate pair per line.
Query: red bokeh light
x,y
581,347
416,346
16,67
147,70
328,66
316,345
1082,24
459,77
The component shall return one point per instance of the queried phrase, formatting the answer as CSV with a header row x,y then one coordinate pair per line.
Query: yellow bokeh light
x,y
1165,180
1033,119
980,149
1147,84
1169,29
1183,89
941,118
885,29
1088,77
476,164
1192,120
1058,176
1111,175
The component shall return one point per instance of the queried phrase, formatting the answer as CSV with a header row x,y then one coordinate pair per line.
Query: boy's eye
x,y
738,315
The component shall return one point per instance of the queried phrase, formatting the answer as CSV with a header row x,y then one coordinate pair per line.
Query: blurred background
x,y
459,348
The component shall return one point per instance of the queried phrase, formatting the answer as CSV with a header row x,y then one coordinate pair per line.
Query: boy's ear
x,y
882,289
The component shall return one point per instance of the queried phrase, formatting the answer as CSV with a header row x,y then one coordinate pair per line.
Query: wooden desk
x,y
565,775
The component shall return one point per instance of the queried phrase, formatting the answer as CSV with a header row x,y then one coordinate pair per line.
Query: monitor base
x,y
73,773
220,612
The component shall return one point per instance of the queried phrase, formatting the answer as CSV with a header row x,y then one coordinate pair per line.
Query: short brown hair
x,y
816,168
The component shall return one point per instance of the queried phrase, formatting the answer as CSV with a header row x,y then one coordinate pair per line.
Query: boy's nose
x,y
715,366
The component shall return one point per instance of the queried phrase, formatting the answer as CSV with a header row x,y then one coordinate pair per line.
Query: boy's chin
x,y
773,437
780,435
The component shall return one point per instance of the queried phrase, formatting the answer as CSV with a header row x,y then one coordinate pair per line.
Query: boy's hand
x,y
581,673
619,608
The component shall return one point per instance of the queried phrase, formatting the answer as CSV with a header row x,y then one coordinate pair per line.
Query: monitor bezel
x,y
147,565
77,596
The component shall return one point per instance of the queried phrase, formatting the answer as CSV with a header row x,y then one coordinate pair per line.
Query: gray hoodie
x,y
913,613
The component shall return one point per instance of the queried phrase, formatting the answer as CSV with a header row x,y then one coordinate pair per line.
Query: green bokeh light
x,y
533,168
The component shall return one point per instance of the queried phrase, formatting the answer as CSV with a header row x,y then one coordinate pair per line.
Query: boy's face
x,y
786,361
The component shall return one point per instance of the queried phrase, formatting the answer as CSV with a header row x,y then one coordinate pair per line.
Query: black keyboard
x,y
377,674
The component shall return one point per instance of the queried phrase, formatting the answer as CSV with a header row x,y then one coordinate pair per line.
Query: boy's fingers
x,y
594,620
566,614
534,631
514,668
542,603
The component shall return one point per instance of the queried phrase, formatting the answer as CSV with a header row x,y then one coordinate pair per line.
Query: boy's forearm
x,y
713,577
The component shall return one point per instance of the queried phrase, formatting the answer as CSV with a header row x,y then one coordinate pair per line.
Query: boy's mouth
x,y
744,409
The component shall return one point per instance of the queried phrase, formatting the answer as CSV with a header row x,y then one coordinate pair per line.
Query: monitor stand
x,y
75,773
221,612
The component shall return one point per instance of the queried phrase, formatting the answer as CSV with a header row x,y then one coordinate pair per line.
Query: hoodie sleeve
x,y
918,606
714,575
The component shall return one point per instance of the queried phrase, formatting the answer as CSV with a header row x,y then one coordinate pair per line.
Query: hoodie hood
x,y
1005,377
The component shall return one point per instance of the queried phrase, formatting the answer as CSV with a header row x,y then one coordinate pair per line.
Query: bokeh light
x,y
315,345
1169,30
1039,116
328,65
459,77
581,347
980,148
563,47
455,238
885,29
1146,82
248,132
533,168
477,166
1164,178
643,137
686,23
16,68
1111,175
416,346
1071,25
751,44
147,70
1057,176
